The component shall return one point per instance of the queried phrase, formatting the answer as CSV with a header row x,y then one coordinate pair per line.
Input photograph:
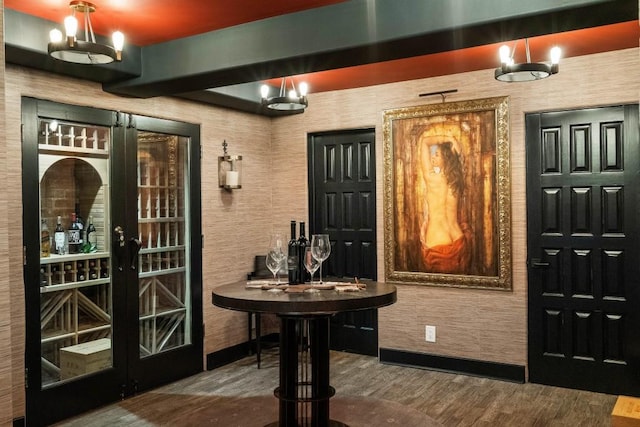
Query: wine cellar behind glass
x,y
163,289
75,285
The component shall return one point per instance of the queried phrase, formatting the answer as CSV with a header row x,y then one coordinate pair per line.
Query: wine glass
x,y
273,261
310,262
320,249
278,245
277,242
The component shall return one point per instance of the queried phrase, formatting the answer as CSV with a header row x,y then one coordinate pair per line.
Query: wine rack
x,y
66,138
67,271
163,288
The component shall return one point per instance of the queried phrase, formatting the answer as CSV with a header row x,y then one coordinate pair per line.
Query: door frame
x,y
117,382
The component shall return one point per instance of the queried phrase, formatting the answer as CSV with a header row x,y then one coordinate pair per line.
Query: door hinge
x,y
118,119
26,377
24,255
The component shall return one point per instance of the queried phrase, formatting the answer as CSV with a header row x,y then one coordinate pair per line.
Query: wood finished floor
x,y
449,399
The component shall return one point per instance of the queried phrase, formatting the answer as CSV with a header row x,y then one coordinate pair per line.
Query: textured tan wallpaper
x,y
235,225
484,325
6,351
475,324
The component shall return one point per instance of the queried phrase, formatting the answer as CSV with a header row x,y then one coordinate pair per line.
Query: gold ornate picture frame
x,y
447,194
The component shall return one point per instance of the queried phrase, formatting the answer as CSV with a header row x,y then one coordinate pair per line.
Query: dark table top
x,y
236,296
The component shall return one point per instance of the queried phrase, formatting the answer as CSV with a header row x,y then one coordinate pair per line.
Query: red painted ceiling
x,y
146,22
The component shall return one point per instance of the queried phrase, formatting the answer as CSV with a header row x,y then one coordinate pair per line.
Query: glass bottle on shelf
x,y
59,236
45,240
91,238
74,235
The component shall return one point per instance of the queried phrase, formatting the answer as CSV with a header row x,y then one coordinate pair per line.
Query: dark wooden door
x,y
161,199
343,205
583,204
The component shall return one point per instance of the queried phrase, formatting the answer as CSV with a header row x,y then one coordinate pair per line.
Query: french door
x,y
583,181
112,256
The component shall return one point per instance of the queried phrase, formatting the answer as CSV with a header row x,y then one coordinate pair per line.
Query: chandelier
x,y
292,101
87,51
528,71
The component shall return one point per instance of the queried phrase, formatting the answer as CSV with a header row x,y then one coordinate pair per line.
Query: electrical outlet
x,y
430,333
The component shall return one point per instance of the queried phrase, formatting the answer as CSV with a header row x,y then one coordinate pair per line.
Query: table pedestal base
x,y
304,390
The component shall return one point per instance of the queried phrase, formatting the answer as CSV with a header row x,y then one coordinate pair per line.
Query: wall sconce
x,y
229,170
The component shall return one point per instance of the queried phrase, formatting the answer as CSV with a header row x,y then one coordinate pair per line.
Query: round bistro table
x,y
304,390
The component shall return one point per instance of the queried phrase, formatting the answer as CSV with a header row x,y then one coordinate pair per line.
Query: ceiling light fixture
x,y
528,71
85,51
291,101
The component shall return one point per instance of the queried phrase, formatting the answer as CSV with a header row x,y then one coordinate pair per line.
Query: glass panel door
x,y
164,280
113,277
75,263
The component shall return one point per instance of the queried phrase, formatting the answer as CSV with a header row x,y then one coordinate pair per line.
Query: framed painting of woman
x,y
447,194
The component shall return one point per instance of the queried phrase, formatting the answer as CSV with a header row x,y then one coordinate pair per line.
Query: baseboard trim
x,y
227,355
499,371
239,351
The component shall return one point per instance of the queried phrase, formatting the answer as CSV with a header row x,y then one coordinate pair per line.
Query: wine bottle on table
x,y
59,237
292,257
302,244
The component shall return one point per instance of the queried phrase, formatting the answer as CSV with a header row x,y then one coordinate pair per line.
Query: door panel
x,y
342,204
583,247
72,325
167,304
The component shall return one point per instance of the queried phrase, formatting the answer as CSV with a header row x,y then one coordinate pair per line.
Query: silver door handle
x,y
538,263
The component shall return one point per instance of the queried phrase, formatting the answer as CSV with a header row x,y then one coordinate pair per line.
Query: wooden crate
x,y
85,358
626,412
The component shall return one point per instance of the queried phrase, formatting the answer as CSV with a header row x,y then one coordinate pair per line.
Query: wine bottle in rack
x,y
81,274
292,257
91,238
303,242
45,239
104,269
59,237
43,276
73,236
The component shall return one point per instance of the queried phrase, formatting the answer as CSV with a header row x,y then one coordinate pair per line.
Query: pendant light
x,y
71,49
528,71
294,100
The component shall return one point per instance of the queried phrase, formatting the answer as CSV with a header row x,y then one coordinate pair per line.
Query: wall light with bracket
x,y
229,170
